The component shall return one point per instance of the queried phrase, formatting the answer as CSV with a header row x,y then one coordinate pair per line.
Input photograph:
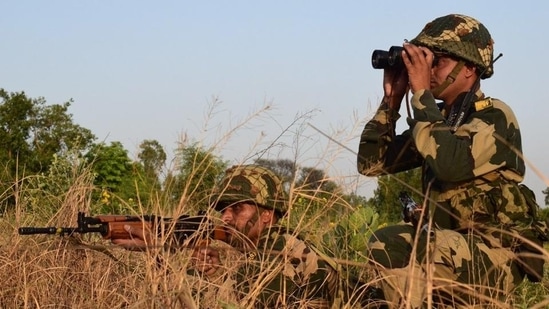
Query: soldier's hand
x,y
138,241
418,61
395,86
206,259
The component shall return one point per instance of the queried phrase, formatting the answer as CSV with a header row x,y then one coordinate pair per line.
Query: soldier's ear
x,y
471,70
267,216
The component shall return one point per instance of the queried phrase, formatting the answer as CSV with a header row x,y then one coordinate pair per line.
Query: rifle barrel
x,y
48,230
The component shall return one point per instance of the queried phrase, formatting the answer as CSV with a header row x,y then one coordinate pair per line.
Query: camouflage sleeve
x,y
474,149
381,151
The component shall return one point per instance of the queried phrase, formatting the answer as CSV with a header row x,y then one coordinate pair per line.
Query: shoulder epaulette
x,y
483,104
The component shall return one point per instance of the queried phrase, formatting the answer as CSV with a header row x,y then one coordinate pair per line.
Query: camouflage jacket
x,y
284,272
472,174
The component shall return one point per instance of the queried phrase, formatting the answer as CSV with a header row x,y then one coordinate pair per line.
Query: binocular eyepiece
x,y
382,59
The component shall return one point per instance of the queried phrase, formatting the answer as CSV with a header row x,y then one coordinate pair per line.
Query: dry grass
x,y
89,272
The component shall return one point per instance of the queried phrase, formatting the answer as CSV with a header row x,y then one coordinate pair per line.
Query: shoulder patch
x,y
483,104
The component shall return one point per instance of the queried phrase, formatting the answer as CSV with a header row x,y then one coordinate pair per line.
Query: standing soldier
x,y
481,220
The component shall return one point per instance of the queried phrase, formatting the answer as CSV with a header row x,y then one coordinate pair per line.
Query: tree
x,y
315,179
31,134
16,111
198,171
153,157
110,163
53,132
115,176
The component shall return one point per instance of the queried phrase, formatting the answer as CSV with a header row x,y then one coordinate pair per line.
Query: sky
x,y
276,79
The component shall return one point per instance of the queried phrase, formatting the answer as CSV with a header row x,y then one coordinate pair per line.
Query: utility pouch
x,y
540,226
530,259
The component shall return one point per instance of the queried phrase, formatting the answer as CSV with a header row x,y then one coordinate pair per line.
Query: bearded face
x,y
242,223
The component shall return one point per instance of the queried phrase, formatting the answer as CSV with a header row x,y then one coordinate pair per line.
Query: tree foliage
x,y
32,133
67,177
54,132
153,157
111,165
115,177
198,170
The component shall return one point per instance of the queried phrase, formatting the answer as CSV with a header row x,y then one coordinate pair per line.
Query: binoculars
x,y
382,59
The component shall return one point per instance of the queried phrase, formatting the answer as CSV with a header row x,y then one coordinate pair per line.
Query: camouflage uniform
x,y
283,271
471,177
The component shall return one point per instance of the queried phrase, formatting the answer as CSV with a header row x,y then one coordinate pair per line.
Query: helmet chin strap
x,y
449,79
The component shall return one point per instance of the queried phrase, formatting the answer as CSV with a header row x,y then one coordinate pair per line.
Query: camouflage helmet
x,y
461,36
250,183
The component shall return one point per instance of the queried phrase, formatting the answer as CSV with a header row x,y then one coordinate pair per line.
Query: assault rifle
x,y
112,226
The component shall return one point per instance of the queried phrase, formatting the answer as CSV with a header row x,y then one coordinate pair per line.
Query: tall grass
x,y
85,271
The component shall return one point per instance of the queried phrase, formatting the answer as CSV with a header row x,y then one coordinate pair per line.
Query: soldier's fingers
x,y
200,253
119,242
415,54
135,232
214,257
129,244
429,55
213,253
